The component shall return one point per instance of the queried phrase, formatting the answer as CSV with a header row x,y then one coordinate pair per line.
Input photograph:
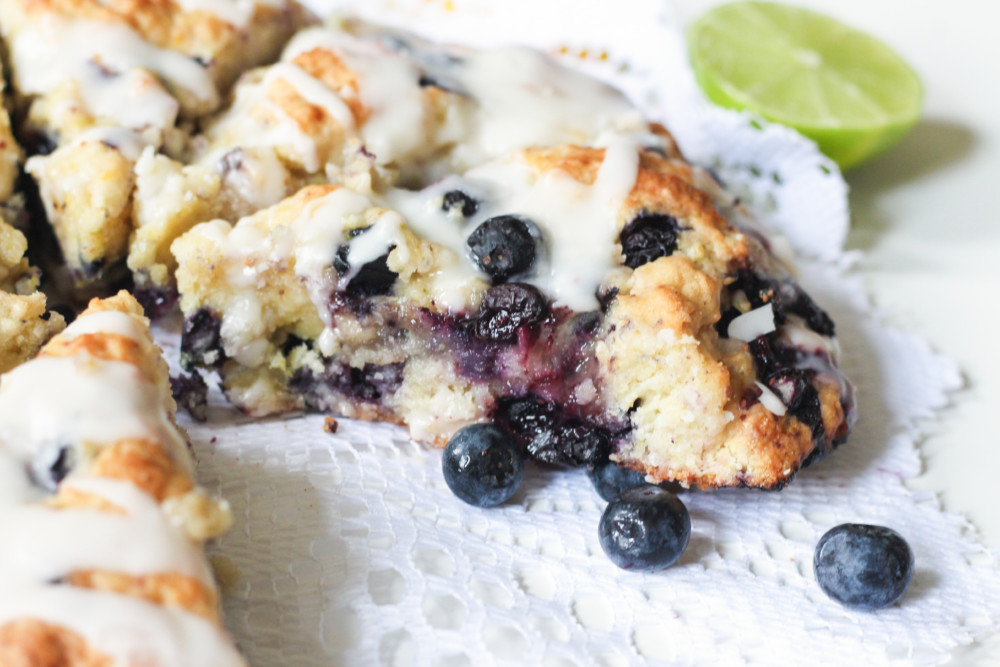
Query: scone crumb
x,y
330,425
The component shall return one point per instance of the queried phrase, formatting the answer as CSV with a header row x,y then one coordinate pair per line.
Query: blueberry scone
x,y
355,105
106,566
593,301
98,82
24,323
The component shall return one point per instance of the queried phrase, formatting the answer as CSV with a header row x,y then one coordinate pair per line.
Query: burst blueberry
x,y
862,566
503,246
482,465
508,307
548,435
645,529
648,237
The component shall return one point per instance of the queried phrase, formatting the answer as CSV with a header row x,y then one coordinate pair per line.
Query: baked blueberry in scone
x,y
24,323
355,105
593,301
98,82
104,565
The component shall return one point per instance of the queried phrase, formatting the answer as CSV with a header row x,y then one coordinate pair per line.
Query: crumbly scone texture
x,y
111,334
299,122
25,326
655,374
24,323
85,127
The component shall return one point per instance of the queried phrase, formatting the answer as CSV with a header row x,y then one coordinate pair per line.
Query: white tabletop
x,y
925,217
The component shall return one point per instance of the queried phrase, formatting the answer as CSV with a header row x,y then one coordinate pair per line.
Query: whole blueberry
x,y
508,307
863,567
648,237
503,246
611,480
645,529
482,465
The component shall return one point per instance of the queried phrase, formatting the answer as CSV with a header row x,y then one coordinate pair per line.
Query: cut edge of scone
x,y
665,381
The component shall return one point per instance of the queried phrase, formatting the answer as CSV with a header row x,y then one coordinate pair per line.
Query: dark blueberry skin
x,y
458,200
482,465
648,237
52,465
611,480
786,296
506,308
372,279
774,365
156,302
201,340
191,394
369,383
863,567
645,529
548,435
503,246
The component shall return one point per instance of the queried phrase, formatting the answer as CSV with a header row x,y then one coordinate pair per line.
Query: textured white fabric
x,y
349,548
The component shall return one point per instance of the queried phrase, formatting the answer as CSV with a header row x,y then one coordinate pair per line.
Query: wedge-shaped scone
x,y
103,561
593,301
359,106
98,81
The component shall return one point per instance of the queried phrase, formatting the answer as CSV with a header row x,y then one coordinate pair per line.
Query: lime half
x,y
850,93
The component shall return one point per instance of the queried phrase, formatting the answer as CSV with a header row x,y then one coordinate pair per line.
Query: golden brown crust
x,y
146,465
200,33
167,589
32,643
327,67
98,345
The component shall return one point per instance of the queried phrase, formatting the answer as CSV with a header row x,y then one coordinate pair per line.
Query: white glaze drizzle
x,y
106,60
85,400
275,127
388,88
109,322
578,223
68,401
130,631
123,140
527,99
235,12
54,542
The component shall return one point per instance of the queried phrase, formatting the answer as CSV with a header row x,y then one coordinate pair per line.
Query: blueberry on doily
x,y
862,566
611,480
482,465
645,529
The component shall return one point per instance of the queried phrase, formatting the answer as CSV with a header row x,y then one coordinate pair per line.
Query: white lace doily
x,y
349,548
